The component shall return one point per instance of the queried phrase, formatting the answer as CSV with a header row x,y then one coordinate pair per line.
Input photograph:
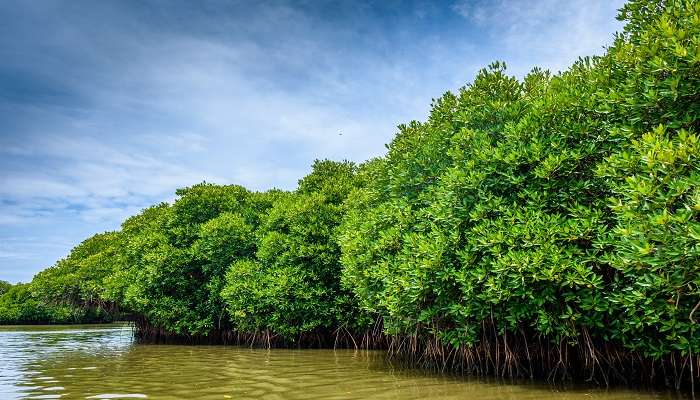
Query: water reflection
x,y
102,362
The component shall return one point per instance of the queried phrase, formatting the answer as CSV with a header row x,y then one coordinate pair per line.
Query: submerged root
x,y
506,355
510,356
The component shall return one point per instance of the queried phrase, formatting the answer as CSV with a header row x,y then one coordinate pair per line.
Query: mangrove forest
x,y
544,227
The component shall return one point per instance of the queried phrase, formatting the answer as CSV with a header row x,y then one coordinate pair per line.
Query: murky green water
x,y
102,362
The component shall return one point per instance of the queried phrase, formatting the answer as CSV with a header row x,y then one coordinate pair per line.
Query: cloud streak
x,y
111,106
554,31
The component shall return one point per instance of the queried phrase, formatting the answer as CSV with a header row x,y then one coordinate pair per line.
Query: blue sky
x,y
107,107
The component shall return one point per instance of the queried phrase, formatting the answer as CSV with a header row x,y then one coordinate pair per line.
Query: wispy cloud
x,y
549,33
109,107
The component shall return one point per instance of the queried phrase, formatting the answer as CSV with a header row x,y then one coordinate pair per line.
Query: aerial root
x,y
506,355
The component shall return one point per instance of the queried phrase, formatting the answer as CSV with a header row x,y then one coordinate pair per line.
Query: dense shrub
x,y
292,284
18,305
554,204
4,287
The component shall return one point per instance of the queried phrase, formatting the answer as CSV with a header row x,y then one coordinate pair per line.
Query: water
x,y
102,362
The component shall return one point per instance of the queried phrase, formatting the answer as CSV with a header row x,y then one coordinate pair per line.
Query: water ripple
x,y
103,363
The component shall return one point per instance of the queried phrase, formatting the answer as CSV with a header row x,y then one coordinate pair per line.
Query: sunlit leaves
x,y
554,204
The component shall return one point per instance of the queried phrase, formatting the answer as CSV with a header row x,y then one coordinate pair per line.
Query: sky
x,y
107,107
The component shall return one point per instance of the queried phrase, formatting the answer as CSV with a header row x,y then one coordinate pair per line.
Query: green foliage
x,y
557,206
175,257
200,203
4,287
19,305
72,291
655,246
292,284
545,205
78,280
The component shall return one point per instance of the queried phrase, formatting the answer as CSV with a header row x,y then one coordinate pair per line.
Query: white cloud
x,y
244,99
91,180
547,33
